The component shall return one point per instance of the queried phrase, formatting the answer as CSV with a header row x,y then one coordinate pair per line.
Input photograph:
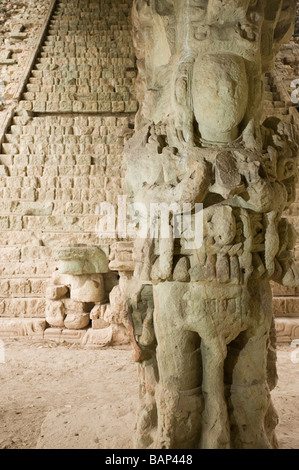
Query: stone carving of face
x,y
220,96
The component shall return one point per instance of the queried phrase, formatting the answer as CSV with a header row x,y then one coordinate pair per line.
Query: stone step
x,y
69,223
90,70
61,224
286,306
32,328
60,27
79,106
68,90
74,140
54,170
49,122
53,91
77,60
44,208
109,144
56,182
49,76
52,84
281,291
58,39
52,239
93,195
37,328
56,153
73,50
32,268
78,94
62,160
23,307
21,207
287,330
82,73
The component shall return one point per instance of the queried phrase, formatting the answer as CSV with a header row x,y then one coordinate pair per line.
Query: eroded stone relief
x,y
201,319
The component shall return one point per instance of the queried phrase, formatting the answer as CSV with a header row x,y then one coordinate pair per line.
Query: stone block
x,y
287,329
21,307
131,106
279,306
97,338
73,336
88,288
292,306
279,290
18,327
55,292
99,324
55,313
19,287
98,311
120,335
77,307
75,321
53,334
118,106
82,260
38,287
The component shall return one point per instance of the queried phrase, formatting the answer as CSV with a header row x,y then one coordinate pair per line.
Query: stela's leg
x,y
215,425
178,395
249,394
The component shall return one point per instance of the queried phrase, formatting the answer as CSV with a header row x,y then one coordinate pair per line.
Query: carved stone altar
x,y
201,318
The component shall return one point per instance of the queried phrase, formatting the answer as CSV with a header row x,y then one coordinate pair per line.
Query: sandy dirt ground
x,y
58,396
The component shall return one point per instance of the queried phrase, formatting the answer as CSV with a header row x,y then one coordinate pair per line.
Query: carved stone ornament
x,y
201,317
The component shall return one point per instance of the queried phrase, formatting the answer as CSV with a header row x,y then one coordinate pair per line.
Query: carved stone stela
x,y
201,319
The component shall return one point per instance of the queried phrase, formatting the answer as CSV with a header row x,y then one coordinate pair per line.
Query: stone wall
x,y
61,155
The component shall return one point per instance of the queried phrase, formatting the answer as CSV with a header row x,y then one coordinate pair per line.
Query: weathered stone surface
x,y
56,292
120,335
56,168
23,307
53,334
200,313
98,311
77,307
97,338
97,317
88,288
82,260
29,327
121,257
73,336
55,313
99,323
287,329
74,321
